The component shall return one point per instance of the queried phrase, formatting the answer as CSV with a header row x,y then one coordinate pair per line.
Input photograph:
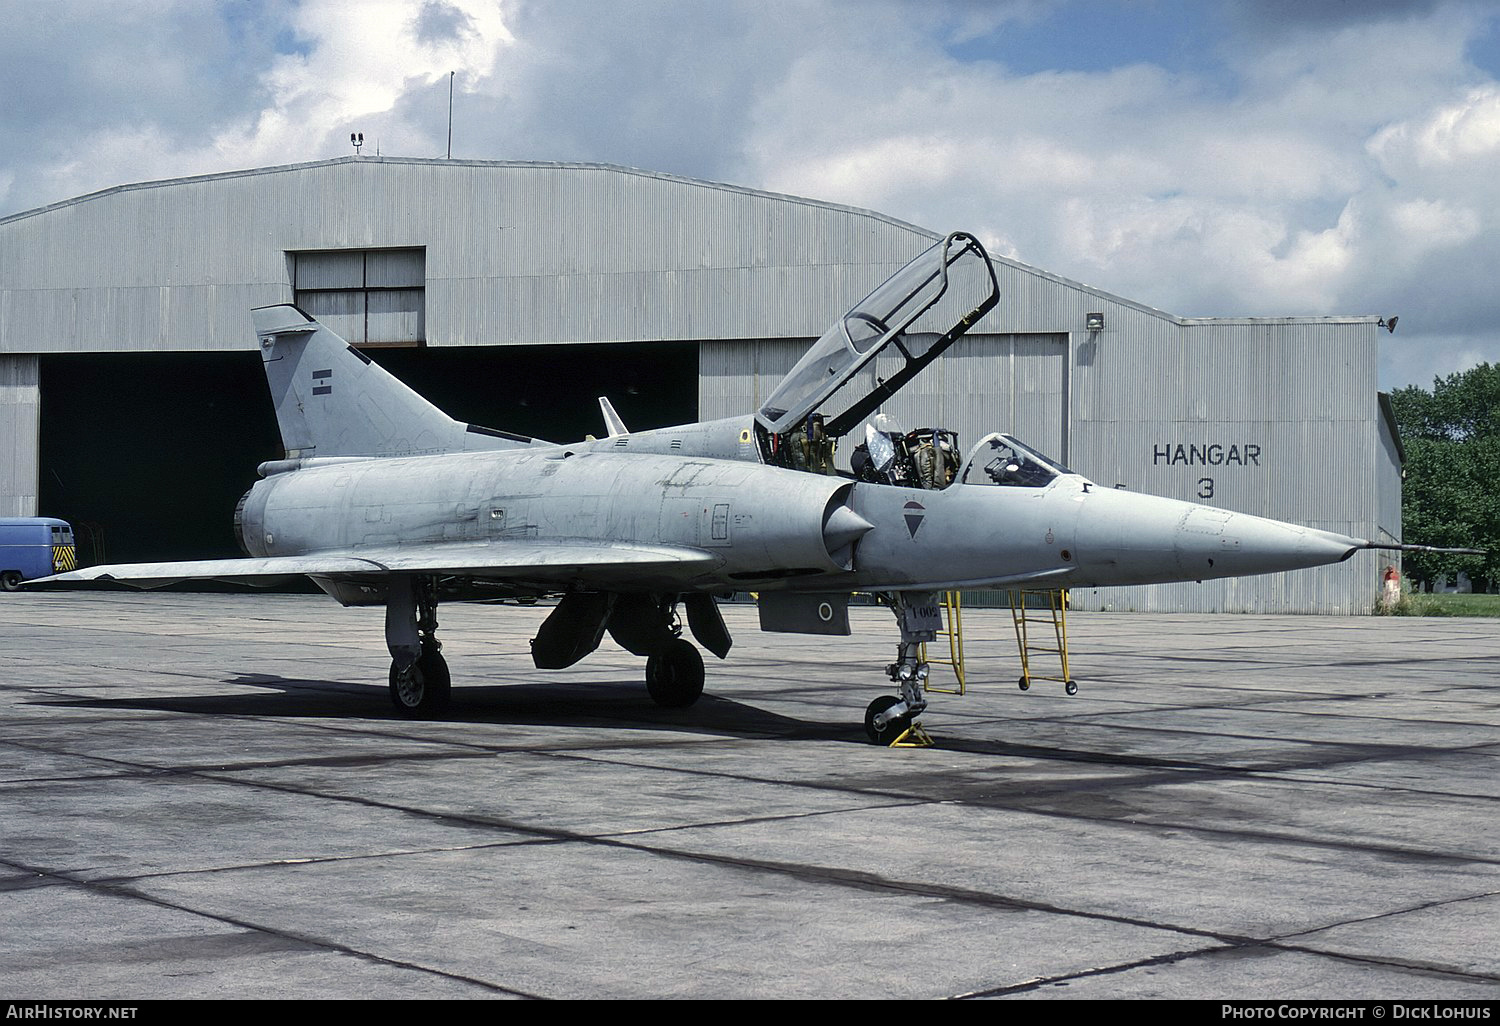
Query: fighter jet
x,y
382,499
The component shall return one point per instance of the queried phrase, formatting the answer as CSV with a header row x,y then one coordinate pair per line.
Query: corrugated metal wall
x,y
20,407
1272,417
1388,460
515,253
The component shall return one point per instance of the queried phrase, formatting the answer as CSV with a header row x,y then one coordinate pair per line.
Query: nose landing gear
x,y
891,719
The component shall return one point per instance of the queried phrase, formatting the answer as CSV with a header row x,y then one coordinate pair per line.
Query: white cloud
x,y
360,63
1452,133
1433,224
1407,362
1310,187
169,89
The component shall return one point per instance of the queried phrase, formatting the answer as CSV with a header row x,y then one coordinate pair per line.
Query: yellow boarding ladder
x,y
954,632
1024,607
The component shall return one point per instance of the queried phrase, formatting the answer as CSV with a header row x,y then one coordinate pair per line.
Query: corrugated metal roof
x,y
537,165
516,252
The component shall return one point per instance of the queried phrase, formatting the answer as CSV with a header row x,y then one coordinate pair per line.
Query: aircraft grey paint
x,y
382,499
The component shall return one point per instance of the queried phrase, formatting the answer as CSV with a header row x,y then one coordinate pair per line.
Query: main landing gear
x,y
674,675
644,625
420,685
891,719
647,625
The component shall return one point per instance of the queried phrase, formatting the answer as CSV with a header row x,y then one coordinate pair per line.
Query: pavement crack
x,y
126,891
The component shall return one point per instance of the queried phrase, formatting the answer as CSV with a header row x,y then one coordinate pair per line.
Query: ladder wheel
x,y
1071,687
1024,684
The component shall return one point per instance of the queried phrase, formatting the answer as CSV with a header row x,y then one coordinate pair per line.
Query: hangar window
x,y
372,297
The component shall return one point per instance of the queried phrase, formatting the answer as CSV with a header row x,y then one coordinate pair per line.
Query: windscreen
x,y
1002,460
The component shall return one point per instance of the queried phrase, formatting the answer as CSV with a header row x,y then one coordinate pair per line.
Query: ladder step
x,y
954,632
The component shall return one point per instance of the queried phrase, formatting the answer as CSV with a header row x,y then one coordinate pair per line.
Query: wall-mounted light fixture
x,y
1094,322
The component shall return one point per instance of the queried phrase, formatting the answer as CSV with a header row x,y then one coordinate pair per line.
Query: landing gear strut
x,y
891,718
420,685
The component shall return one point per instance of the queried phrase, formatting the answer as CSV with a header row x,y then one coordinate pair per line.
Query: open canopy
x,y
906,323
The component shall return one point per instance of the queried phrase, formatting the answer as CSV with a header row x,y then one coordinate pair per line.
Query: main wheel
x,y
893,728
10,580
422,689
674,676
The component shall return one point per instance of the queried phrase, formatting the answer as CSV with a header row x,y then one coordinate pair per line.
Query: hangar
x,y
514,293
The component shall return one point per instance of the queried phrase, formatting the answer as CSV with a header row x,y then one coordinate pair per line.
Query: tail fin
x,y
613,425
331,400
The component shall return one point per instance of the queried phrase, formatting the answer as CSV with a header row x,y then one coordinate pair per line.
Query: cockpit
x,y
868,355
924,458
928,458
1005,461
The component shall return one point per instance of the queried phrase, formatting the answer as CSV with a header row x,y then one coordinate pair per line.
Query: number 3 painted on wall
x,y
1205,488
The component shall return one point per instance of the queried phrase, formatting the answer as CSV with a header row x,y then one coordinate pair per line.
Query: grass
x,y
1421,604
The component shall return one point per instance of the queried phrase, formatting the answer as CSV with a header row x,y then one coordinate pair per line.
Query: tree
x,y
1451,495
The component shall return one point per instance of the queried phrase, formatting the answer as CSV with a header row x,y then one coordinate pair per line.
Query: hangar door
x,y
147,453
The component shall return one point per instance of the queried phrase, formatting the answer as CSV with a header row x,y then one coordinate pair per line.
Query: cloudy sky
x,y
1208,158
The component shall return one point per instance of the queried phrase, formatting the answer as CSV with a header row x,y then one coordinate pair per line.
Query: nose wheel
x,y
880,726
890,723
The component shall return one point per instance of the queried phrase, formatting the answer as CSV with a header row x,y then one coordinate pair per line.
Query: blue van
x,y
34,547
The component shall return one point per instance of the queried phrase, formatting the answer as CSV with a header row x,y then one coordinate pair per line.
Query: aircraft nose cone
x,y
1219,543
1129,538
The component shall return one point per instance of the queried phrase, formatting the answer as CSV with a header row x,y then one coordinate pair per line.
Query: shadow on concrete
x,y
623,705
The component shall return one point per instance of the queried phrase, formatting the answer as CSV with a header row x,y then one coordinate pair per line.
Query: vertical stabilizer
x,y
332,400
613,425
